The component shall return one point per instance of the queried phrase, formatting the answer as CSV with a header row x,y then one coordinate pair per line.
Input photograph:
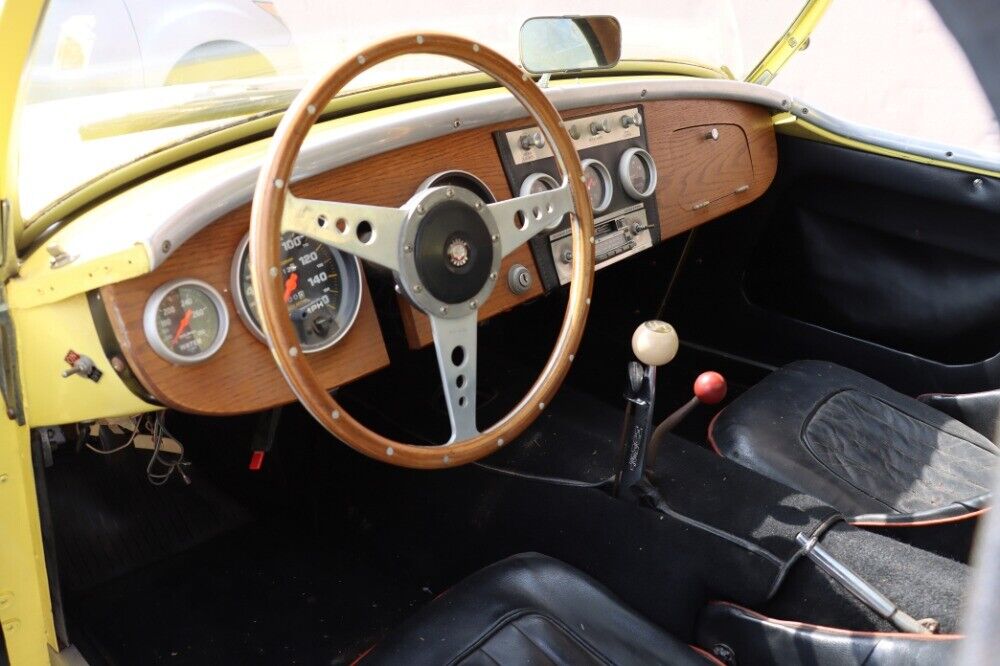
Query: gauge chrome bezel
x,y
623,163
437,179
529,182
153,335
609,186
344,260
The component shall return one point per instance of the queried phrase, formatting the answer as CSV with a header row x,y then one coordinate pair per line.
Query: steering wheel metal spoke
x,y
455,343
520,218
369,232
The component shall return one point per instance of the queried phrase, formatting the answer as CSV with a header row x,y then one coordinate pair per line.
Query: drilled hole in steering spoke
x,y
458,355
537,212
520,220
365,232
341,225
321,221
461,401
460,381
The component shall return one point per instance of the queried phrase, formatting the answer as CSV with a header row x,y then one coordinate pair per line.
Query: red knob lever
x,y
710,388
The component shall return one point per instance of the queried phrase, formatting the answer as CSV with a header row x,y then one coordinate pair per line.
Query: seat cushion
x,y
530,609
854,443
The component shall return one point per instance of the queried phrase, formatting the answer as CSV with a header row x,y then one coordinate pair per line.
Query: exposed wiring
x,y
160,477
162,464
108,452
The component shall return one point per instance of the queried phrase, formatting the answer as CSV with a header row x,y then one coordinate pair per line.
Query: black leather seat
x,y
530,609
876,455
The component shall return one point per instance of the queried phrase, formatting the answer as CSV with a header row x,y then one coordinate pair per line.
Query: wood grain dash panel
x,y
241,376
705,169
746,152
689,164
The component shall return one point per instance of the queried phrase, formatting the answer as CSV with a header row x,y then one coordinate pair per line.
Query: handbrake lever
x,y
709,389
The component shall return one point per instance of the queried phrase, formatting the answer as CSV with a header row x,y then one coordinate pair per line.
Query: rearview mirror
x,y
570,43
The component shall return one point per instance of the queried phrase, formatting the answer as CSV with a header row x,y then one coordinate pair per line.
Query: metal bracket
x,y
8,253
10,378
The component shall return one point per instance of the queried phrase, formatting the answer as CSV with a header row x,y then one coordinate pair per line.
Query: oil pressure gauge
x,y
185,321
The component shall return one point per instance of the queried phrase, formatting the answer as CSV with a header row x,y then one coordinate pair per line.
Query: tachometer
x,y
597,179
322,290
185,321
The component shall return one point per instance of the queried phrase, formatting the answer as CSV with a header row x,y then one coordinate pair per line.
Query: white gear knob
x,y
655,342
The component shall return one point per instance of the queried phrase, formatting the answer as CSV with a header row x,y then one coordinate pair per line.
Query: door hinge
x,y
8,253
10,378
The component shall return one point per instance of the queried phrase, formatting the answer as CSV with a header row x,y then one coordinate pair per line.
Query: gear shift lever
x,y
655,344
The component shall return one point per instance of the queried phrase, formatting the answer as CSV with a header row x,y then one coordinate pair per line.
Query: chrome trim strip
x,y
893,141
865,592
182,202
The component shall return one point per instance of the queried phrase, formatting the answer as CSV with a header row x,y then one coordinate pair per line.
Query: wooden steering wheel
x,y
444,248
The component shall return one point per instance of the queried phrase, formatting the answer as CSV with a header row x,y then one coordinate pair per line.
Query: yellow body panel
x,y
790,43
39,284
25,604
18,19
44,335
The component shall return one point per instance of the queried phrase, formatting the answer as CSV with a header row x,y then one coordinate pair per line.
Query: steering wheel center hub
x,y
450,255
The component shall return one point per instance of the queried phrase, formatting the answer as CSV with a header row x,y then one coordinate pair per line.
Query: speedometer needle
x,y
185,320
291,284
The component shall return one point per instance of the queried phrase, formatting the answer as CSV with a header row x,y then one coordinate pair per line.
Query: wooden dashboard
x,y
700,178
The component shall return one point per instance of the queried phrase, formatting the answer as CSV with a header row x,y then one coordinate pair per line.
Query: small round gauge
x,y
637,172
457,178
322,290
185,321
536,183
597,179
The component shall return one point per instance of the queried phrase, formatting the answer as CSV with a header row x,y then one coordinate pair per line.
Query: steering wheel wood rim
x,y
275,210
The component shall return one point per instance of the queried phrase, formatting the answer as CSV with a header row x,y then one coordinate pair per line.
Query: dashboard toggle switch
x,y
81,365
535,140
628,120
598,127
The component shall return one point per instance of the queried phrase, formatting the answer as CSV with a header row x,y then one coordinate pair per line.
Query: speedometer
x,y
322,289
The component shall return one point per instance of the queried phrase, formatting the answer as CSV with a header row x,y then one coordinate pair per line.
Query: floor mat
x,y
109,519
254,596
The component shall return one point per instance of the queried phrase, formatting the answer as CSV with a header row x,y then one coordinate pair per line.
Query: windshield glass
x,y
113,80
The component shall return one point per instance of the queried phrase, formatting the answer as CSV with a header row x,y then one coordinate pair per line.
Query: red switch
x,y
256,461
710,388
